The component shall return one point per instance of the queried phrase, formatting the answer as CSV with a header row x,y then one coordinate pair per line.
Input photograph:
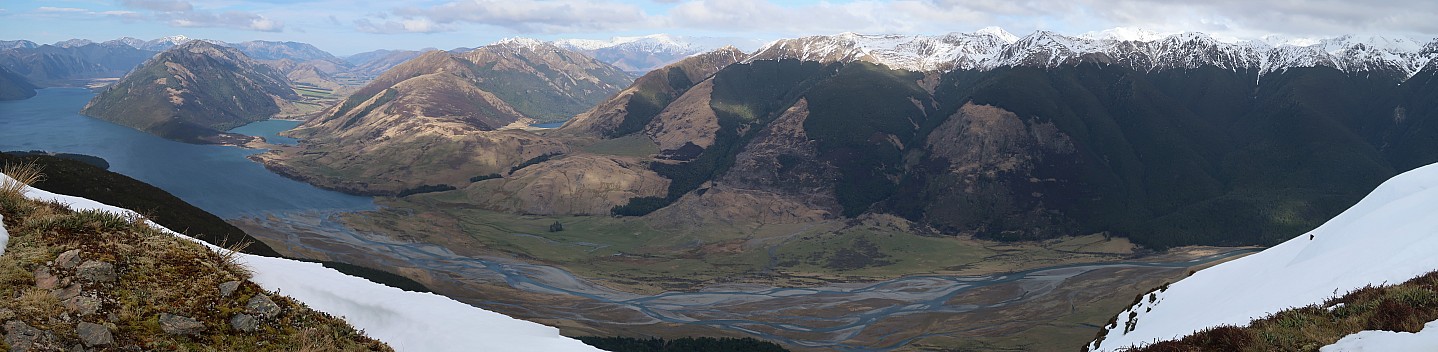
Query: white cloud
x,y
159,5
49,9
180,13
545,16
419,25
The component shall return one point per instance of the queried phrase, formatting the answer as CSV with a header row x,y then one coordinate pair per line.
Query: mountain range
x,y
995,135
992,48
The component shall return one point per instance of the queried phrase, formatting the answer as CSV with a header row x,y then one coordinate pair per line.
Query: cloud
x,y
180,13
543,16
159,5
401,26
49,9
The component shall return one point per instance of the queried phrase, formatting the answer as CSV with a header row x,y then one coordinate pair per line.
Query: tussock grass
x,y
24,175
1404,307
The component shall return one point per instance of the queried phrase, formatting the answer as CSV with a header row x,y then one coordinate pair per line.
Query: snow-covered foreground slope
x,y
1388,237
1387,341
407,321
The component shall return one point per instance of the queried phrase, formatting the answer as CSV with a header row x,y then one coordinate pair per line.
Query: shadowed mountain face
x,y
1167,157
48,65
14,86
192,92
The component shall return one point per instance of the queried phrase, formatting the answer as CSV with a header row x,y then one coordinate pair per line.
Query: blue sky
x,y
347,27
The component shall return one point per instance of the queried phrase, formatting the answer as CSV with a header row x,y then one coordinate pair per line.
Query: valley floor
x,y
869,284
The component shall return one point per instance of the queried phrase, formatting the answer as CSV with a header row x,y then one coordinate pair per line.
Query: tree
x,y
556,226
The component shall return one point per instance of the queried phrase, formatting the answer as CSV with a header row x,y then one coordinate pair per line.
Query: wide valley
x,y
602,275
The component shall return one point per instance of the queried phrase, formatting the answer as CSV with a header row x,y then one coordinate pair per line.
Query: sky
x,y
345,27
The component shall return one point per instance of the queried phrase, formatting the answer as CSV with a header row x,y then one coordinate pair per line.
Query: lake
x,y
218,179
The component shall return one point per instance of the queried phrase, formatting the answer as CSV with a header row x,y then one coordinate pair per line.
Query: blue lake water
x,y
269,130
546,125
218,179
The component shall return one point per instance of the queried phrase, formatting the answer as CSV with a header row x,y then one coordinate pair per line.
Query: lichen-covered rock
x,y
262,306
96,271
228,288
22,337
46,280
92,334
83,305
69,259
244,322
180,325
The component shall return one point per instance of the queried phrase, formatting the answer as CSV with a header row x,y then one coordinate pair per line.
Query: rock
x,y
96,271
262,306
228,288
180,325
92,334
244,322
83,305
46,280
22,337
69,259
67,293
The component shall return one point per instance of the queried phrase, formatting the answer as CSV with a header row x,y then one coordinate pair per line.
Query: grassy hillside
x,y
104,281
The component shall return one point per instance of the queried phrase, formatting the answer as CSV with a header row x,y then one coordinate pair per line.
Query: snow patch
x,y
1388,237
4,235
1383,341
407,321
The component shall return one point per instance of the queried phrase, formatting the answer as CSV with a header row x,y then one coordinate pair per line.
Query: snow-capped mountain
x,y
1142,50
164,43
643,53
129,41
73,43
13,44
1388,237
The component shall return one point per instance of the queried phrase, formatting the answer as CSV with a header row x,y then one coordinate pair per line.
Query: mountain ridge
x,y
992,48
194,91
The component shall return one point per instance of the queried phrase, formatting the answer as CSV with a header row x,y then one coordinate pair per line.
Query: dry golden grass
x,y
23,175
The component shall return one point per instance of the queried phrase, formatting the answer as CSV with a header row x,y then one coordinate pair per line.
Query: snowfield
x,y
407,321
1387,238
1387,341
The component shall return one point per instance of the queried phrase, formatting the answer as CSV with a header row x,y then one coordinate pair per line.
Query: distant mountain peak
x,y
1125,34
999,33
521,42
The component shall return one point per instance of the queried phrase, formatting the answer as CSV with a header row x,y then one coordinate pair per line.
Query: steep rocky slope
x,y
192,92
